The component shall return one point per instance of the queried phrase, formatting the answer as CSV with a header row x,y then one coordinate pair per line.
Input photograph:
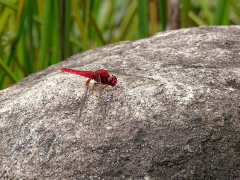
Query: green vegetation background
x,y
35,34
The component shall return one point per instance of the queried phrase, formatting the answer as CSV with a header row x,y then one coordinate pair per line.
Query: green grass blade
x,y
206,10
142,10
14,7
4,19
77,18
46,34
9,4
77,43
196,19
28,62
8,72
90,19
126,21
131,33
185,7
235,13
236,6
153,17
20,57
67,29
225,20
93,36
56,53
20,32
97,30
221,12
162,5
104,14
85,38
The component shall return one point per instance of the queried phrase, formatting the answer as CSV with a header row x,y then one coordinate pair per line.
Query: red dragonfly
x,y
100,75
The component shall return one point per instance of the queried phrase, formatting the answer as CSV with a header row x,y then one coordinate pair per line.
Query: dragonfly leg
x,y
87,82
104,87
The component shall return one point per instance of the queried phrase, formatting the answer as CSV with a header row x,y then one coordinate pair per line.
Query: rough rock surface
x,y
176,118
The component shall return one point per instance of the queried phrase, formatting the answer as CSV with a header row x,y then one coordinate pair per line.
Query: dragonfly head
x,y
112,80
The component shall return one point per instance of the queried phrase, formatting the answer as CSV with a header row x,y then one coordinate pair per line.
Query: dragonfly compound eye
x,y
112,80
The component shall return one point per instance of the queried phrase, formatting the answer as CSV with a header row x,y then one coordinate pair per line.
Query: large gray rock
x,y
176,118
